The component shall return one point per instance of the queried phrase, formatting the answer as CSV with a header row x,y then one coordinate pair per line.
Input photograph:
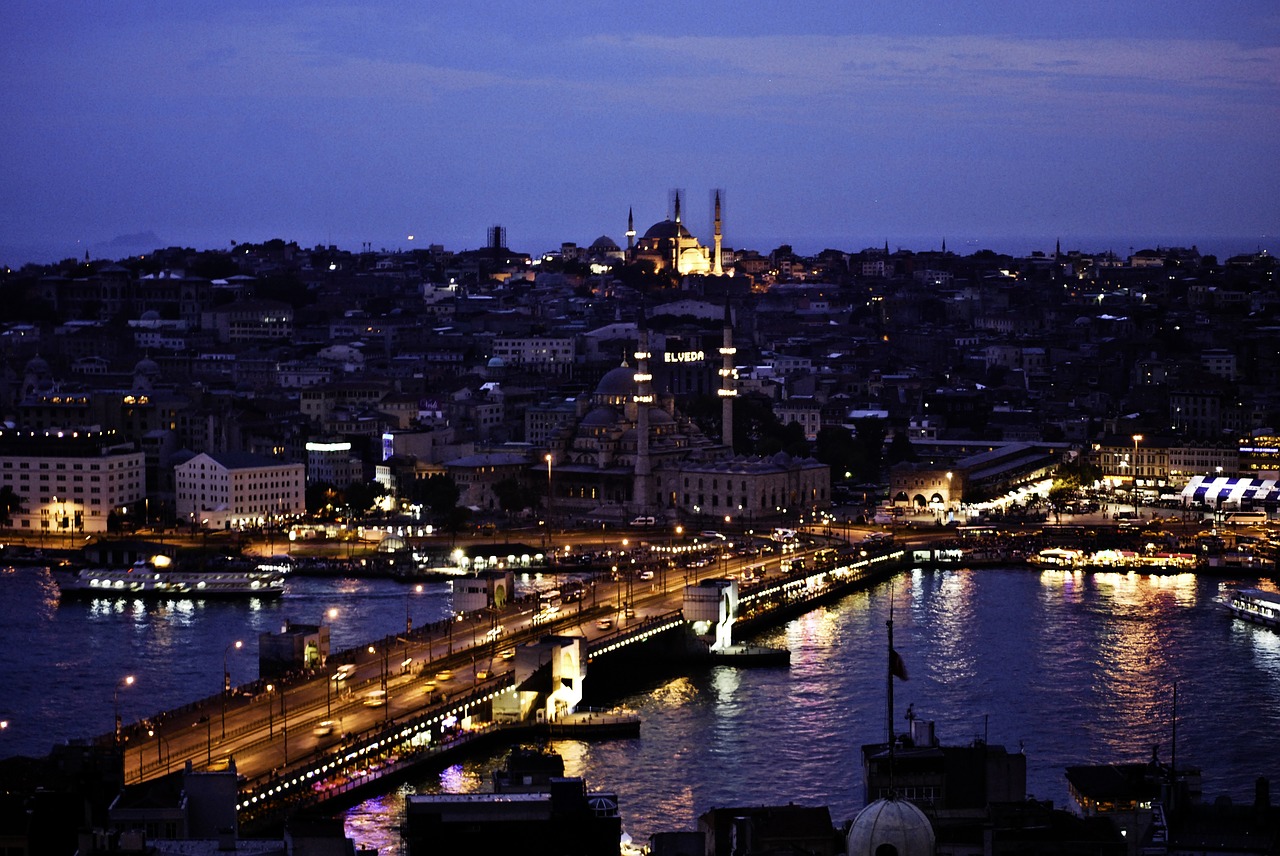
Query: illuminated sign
x,y
684,357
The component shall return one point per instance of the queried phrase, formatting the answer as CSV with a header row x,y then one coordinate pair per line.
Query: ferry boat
x,y
1256,605
155,578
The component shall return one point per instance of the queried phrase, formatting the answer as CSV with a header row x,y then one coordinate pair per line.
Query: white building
x,y
238,489
69,481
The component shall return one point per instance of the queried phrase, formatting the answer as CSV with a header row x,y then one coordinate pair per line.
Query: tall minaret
x,y
631,232
677,206
728,378
716,269
642,493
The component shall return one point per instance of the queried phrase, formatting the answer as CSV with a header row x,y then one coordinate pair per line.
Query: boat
x,y
1256,605
156,578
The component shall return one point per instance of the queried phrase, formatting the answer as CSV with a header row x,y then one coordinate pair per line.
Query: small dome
x,y
150,315
891,827
667,229
147,367
658,416
496,363
604,244
600,417
37,365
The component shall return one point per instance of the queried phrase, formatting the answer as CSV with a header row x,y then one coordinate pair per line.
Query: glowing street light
x,y
127,681
1137,438
226,682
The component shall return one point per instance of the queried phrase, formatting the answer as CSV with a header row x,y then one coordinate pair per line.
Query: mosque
x,y
669,246
629,454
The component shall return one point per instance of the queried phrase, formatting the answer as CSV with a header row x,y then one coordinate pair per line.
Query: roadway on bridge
x,y
402,677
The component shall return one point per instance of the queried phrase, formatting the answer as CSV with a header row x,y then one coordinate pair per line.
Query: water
x,y
65,664
1072,668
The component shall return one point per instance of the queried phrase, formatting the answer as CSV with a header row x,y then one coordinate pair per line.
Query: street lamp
x,y
548,459
226,682
127,681
1137,438
386,702
408,621
271,719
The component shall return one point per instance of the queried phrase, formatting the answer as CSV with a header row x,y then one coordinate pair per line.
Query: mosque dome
x,y
667,229
600,417
891,827
619,382
658,416
496,363
604,244
147,367
37,365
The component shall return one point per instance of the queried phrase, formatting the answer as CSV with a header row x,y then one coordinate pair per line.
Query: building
x,y
226,490
70,481
331,462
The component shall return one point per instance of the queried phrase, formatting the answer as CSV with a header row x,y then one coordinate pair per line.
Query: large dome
x,y
617,382
891,828
668,229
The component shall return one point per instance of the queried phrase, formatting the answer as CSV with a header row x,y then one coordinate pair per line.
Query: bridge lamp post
x,y
1137,438
271,718
386,705
127,681
550,495
226,681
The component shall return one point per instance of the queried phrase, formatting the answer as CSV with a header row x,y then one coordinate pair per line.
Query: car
x,y
644,521
604,624
444,675
482,675
429,687
323,729
646,575
509,654
375,698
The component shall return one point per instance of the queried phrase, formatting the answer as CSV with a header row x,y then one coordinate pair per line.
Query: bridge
x,y
377,711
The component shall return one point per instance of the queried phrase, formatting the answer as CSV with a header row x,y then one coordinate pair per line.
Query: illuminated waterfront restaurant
x,y
1232,493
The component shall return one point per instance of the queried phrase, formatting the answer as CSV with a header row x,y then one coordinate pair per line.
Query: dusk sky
x,y
841,124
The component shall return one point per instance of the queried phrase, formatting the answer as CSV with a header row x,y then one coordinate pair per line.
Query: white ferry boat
x,y
1256,605
157,579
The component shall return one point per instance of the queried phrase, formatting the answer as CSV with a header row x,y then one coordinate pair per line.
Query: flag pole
x,y
889,672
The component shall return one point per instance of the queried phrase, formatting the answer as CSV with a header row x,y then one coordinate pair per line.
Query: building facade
x,y
228,490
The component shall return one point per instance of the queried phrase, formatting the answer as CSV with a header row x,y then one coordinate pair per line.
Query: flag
x,y
897,667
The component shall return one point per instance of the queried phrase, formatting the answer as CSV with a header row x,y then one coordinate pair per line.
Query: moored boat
x,y
1256,605
156,578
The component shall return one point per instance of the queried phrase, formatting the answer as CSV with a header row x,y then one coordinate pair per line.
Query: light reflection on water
x,y
1077,668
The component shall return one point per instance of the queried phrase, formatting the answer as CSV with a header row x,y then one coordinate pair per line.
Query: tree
x,y
438,493
900,448
10,503
514,495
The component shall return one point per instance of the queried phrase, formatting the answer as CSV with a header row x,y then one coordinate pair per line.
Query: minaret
x,y
642,492
631,232
728,377
716,269
677,206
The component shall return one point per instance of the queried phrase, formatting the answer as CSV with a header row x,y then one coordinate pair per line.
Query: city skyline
x,y
351,124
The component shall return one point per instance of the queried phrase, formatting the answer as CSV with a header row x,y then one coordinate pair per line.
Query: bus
x,y
1245,518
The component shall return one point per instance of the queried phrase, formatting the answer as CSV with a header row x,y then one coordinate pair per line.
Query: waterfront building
x,y
70,481
332,462
237,489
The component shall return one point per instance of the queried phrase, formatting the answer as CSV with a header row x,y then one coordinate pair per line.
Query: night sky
x,y
987,123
